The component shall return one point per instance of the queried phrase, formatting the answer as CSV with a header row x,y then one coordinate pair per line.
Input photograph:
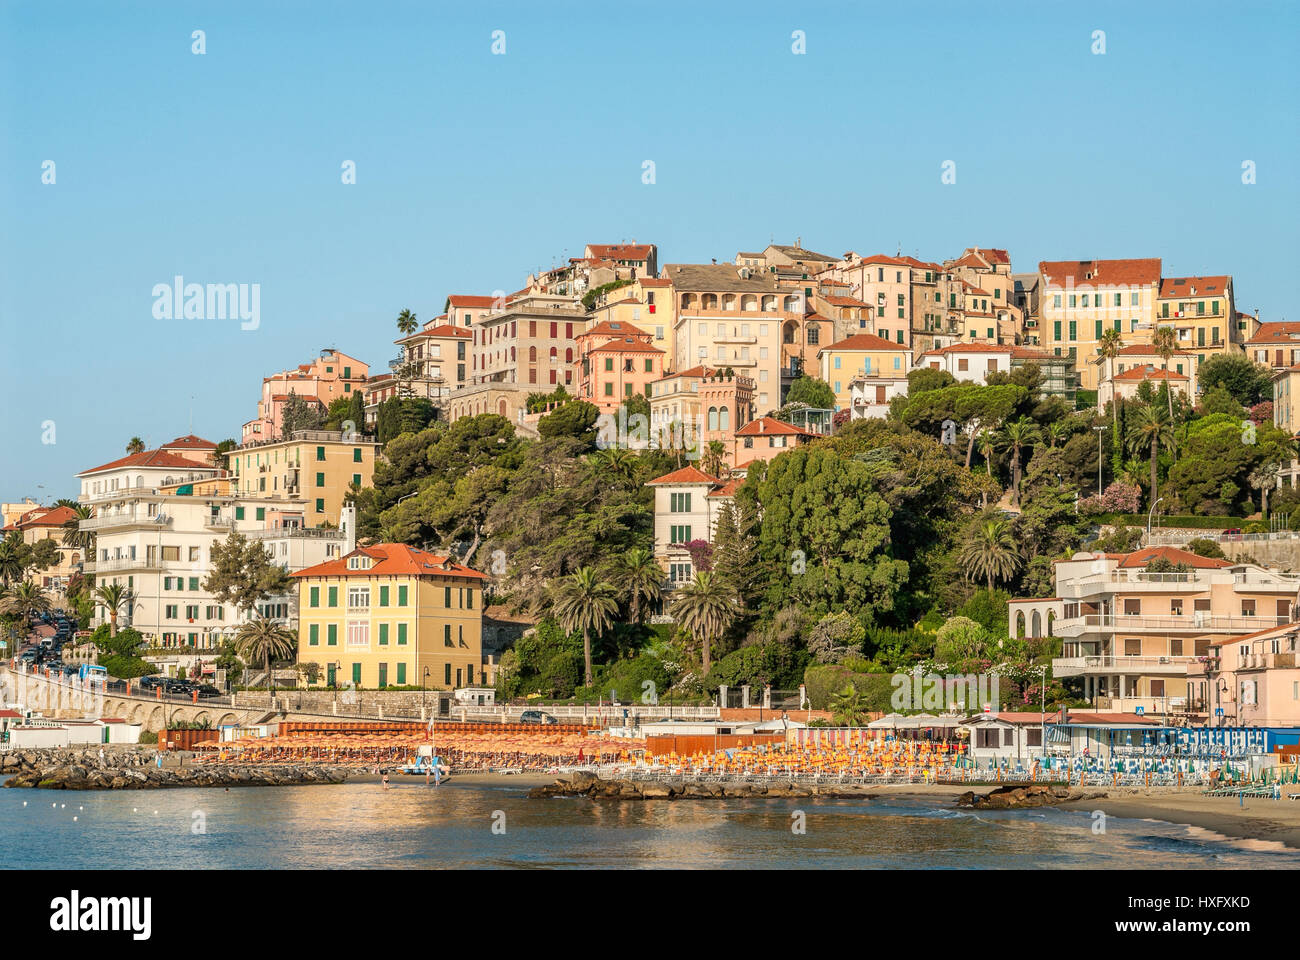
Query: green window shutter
x,y
1097,336
356,479
401,596
194,583
315,597
383,634
313,635
1056,330
401,634
469,599
333,596
239,513
320,505
347,373
401,674
383,596
609,364
446,592
446,634
356,454
320,453
1074,330
356,674
261,513
320,479
332,635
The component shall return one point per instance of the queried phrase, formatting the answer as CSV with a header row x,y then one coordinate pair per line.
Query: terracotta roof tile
x,y
393,559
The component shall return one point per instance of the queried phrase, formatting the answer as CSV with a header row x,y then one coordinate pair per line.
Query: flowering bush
x,y
701,552
1262,412
1119,498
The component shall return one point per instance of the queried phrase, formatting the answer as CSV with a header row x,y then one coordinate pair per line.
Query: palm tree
x,y
25,600
1150,428
113,596
13,562
406,323
1109,346
135,445
714,462
585,602
1057,430
641,578
1017,435
848,708
619,462
706,608
73,535
264,639
1165,343
1263,478
990,553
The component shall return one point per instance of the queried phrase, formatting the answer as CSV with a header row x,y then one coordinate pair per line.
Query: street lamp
x,y
1149,512
424,689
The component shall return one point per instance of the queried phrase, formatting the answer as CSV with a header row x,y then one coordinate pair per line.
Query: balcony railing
x,y
1193,622
1072,666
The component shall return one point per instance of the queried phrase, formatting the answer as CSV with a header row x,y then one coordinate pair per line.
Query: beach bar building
x,y
1006,736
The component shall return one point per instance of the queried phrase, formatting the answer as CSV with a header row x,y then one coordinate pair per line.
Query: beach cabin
x,y
1100,735
8,718
919,726
1005,736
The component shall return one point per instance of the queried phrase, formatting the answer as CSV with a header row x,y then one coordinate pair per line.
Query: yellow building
x,y
1201,312
863,355
315,467
391,615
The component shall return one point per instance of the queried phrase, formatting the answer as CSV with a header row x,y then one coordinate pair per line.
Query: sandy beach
x,y
1267,821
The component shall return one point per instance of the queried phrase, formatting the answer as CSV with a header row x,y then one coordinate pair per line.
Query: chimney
x,y
798,242
762,426
348,526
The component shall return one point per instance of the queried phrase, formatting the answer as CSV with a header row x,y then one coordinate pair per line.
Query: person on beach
x,y
385,781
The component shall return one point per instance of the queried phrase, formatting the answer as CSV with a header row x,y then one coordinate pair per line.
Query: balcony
x,y
218,523
1194,623
119,566
121,521
1078,666
1149,706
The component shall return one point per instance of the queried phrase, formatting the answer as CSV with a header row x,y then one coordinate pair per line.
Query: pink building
x,y
767,438
1254,679
615,361
327,378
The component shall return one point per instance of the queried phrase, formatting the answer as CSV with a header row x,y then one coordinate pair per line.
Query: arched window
x,y
568,355
555,354
1051,619
1036,625
532,354
724,419
713,418
1020,624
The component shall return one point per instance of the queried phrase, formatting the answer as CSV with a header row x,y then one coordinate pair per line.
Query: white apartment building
x,y
687,504
158,545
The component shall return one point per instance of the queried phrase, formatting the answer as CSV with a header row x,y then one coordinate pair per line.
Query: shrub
x,y
1119,497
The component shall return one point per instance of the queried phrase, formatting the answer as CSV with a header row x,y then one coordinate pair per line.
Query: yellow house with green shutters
x,y
390,615
315,468
863,355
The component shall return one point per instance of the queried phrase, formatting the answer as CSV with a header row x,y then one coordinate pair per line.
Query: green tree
x,y
989,552
406,323
25,602
575,419
1165,343
714,461
244,573
816,393
266,640
134,445
1151,429
641,578
705,608
1247,381
848,708
113,597
585,602
1015,436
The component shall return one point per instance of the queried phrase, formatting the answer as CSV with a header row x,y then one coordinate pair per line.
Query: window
x,y
446,635
679,533
320,453
332,635
446,673
1132,648
356,454
401,674
383,596
333,596
401,596
313,635
358,598
320,505
314,595
383,634
356,674
680,502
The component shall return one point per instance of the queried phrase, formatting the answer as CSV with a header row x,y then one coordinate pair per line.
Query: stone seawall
x,y
63,769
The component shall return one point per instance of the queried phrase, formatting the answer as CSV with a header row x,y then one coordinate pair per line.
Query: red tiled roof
x,y
44,517
970,348
1100,273
614,328
626,345
864,341
470,300
446,330
1148,372
686,475
654,282
620,251
1140,558
393,559
769,426
837,301
190,442
1276,331
1205,286
1146,349
728,489
885,258
1125,718
150,458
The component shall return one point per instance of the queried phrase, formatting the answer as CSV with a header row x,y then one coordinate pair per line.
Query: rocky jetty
x,y
65,769
590,785
1017,797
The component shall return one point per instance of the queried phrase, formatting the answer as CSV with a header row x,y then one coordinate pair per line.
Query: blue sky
x,y
474,169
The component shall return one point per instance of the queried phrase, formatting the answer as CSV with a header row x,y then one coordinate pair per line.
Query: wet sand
x,y
1268,821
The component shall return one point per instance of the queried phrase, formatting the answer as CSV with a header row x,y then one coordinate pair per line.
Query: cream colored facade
x,y
390,615
532,343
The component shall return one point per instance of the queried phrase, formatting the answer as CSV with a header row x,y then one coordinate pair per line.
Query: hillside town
x,y
775,482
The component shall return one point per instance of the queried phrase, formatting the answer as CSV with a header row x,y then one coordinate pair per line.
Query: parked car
x,y
207,690
150,682
1233,534
536,716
